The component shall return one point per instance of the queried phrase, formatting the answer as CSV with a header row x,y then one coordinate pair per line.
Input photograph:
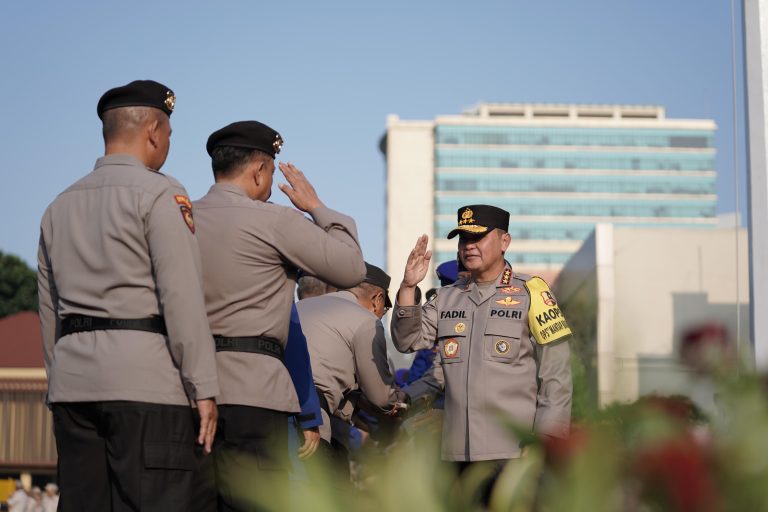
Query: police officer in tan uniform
x,y
503,342
348,351
250,251
126,342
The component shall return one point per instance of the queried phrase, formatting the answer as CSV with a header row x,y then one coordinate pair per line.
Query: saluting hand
x,y
299,190
311,442
209,414
415,271
418,263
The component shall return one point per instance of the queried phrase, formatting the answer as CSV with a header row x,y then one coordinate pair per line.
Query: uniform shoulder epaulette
x,y
521,277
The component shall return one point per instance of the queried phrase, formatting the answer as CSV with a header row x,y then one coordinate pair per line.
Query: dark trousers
x,y
125,456
251,458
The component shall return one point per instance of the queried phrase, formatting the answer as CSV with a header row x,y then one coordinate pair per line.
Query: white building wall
x,y
410,190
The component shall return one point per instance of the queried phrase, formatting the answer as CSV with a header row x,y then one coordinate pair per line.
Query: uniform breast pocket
x,y
502,340
452,340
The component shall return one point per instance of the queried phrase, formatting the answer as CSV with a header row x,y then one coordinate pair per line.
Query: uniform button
x,y
401,313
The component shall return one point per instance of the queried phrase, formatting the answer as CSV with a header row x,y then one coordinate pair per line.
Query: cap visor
x,y
467,229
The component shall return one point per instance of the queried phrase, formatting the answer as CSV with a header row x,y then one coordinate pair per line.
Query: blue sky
x,y
326,74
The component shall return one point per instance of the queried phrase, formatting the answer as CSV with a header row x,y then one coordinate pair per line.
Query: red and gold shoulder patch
x,y
185,205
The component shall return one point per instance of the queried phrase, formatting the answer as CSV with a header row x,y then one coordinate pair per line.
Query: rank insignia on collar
x,y
511,289
508,301
451,349
170,100
278,144
506,277
460,328
501,347
185,205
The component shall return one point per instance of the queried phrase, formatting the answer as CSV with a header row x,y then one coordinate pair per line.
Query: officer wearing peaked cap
x,y
503,342
250,251
348,352
126,344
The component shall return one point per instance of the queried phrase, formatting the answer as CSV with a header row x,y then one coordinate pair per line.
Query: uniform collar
x,y
502,280
228,188
120,159
345,294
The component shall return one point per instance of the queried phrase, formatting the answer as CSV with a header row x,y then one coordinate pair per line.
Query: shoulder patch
x,y
545,320
185,205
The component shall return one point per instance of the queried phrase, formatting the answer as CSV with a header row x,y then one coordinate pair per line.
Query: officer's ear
x,y
506,239
153,132
257,168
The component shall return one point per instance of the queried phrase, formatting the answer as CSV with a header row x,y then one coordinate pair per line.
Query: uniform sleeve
x,y
176,265
550,334
327,248
371,365
299,367
430,384
414,327
48,299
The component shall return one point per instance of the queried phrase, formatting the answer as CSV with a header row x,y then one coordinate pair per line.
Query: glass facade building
x,y
559,170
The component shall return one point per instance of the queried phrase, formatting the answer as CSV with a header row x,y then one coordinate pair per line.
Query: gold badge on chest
x,y
451,349
460,328
501,347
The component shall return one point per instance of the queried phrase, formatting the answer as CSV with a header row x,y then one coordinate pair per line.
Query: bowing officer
x,y
348,350
503,342
250,250
126,343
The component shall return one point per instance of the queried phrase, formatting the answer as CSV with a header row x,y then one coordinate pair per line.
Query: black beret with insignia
x,y
247,134
139,93
377,277
480,218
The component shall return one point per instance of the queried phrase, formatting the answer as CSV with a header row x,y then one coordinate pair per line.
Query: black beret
x,y
480,218
377,277
139,93
246,134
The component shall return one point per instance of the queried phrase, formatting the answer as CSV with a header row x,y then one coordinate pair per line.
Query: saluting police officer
x,y
126,342
250,251
348,351
503,342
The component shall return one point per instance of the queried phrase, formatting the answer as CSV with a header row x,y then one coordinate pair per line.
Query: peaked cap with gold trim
x,y
139,93
480,218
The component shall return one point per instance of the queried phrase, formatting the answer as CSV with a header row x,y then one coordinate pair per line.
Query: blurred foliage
x,y
660,453
18,286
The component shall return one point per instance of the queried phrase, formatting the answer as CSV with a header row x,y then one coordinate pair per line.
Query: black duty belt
x,y
79,323
252,344
323,401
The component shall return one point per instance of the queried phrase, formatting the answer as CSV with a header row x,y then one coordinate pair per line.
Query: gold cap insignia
x,y
467,214
501,347
460,328
278,144
170,100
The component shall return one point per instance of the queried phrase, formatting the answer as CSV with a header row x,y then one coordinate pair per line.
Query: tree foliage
x,y
18,286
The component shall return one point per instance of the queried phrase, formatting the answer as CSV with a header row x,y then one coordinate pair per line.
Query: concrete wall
x,y
649,286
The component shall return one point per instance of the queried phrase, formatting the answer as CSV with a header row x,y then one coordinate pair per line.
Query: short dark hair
x,y
125,122
228,161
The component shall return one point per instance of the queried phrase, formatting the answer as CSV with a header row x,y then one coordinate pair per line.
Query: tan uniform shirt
x,y
348,351
117,244
250,250
502,352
